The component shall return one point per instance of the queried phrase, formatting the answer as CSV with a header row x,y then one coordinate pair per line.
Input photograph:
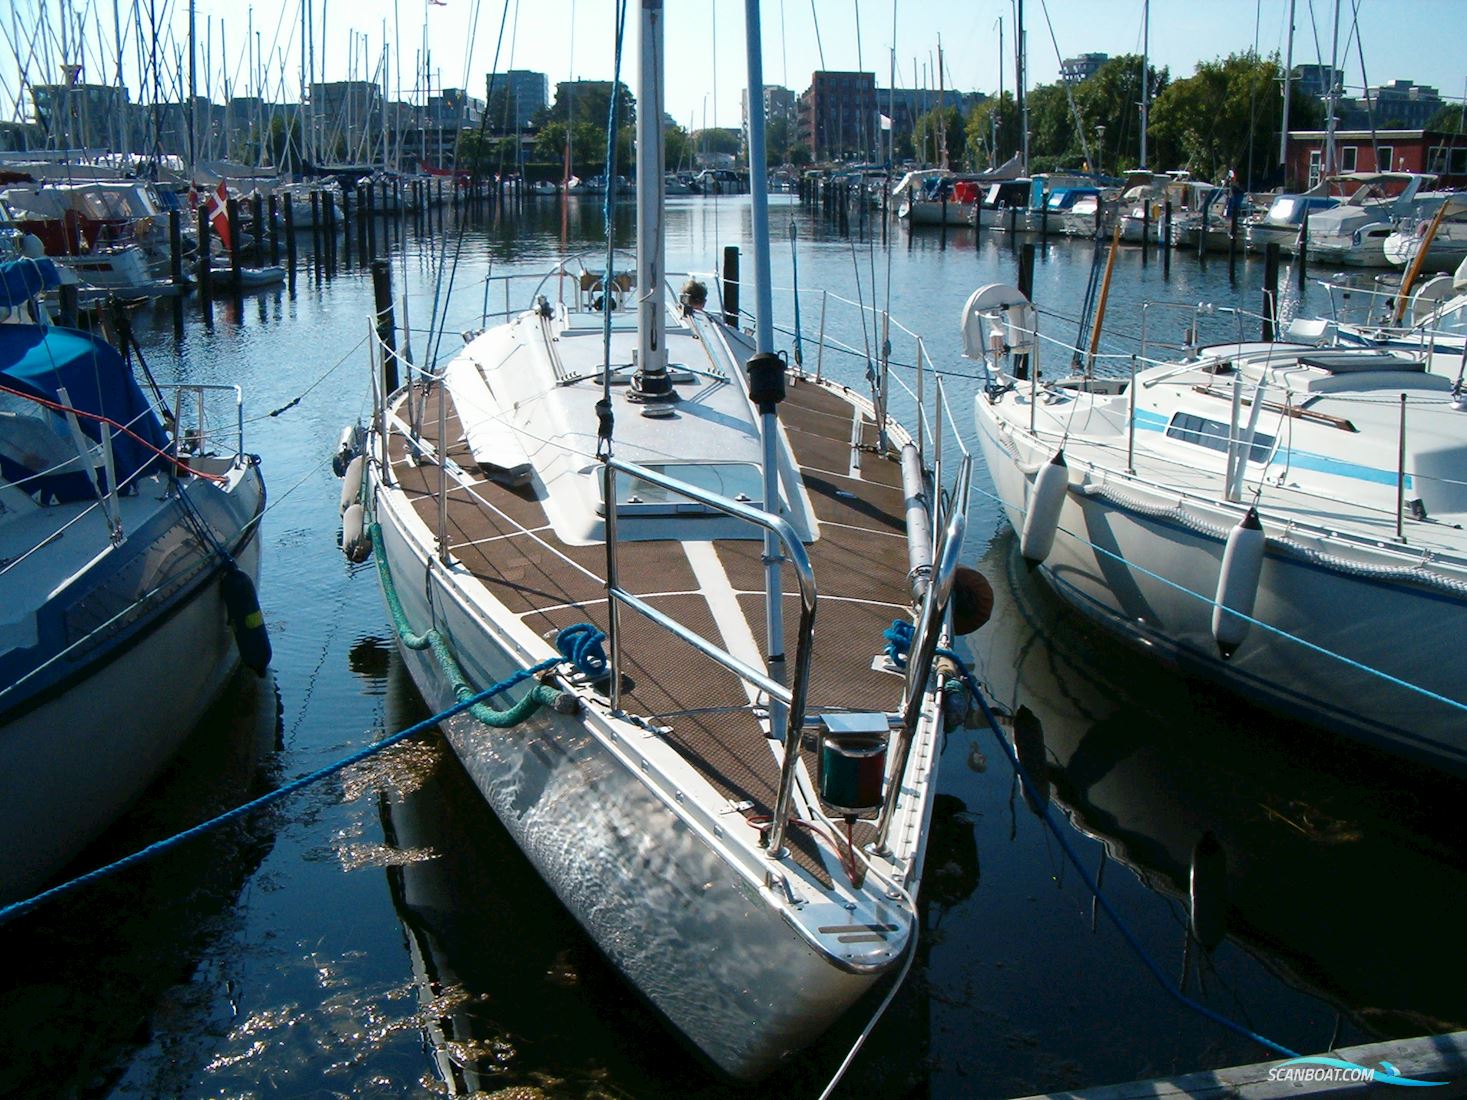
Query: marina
x,y
984,629
242,986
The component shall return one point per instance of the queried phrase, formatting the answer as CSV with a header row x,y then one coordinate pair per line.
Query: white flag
x,y
885,122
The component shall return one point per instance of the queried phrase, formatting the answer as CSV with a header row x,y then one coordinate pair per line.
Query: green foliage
x,y
717,140
589,100
1111,98
588,146
1225,116
677,148
1448,119
937,125
484,154
800,156
979,132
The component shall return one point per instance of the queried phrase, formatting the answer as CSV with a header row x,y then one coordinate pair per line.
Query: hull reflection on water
x,y
1340,861
90,977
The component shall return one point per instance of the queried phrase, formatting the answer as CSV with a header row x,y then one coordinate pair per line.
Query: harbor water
x,y
379,934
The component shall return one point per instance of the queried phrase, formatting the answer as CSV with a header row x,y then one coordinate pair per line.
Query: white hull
x,y
686,917
1142,594
937,213
89,752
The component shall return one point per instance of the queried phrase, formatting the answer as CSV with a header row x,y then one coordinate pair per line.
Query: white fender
x,y
1237,583
351,484
1045,502
354,541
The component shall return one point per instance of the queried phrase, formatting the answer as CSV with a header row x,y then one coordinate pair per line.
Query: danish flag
x,y
219,215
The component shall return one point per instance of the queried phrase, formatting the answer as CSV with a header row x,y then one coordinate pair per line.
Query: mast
x,y
941,110
1288,75
1333,101
998,110
193,105
766,389
1145,74
651,380
1020,78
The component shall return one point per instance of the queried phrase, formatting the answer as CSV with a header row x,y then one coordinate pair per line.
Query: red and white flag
x,y
219,215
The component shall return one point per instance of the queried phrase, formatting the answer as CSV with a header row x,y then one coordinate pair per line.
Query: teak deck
x,y
859,562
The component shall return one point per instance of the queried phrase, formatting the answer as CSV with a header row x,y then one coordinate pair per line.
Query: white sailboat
x,y
1281,517
733,805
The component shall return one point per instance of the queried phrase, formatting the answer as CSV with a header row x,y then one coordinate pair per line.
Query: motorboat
x,y
1283,221
1285,518
1353,234
1445,241
127,569
732,803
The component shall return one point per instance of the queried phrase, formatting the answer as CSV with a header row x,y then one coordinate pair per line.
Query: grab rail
x,y
793,697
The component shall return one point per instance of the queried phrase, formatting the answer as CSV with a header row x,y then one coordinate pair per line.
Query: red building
x,y
1378,151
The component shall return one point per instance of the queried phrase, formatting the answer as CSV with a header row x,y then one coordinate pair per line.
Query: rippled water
x,y
378,934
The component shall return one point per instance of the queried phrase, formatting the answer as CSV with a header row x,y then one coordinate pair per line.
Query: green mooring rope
x,y
541,695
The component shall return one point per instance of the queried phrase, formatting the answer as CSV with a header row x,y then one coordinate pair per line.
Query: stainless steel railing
x,y
792,697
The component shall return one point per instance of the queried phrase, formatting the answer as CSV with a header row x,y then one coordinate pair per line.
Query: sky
x,y
1418,40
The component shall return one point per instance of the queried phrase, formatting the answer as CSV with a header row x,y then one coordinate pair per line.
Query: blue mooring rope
x,y
20,908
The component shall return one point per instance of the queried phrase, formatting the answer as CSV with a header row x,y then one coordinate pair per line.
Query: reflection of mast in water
x,y
1149,763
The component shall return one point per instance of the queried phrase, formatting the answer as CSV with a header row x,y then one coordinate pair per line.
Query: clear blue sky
x,y
1420,40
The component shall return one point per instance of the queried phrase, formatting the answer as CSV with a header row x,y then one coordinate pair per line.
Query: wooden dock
x,y
1435,1058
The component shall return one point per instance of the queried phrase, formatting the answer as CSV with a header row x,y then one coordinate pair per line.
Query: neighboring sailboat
x,y
127,559
733,806
1284,518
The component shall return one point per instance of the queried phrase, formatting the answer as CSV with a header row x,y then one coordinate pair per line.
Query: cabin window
x,y
1213,434
1349,156
1314,158
1385,158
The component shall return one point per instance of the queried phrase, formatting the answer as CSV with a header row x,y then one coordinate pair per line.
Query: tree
x,y
938,125
590,101
995,119
1111,97
1227,116
588,146
1447,119
800,156
677,148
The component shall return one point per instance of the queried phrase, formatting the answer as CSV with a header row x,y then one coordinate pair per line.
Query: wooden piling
x,y
1270,290
290,238
1166,241
386,326
232,209
274,230
206,291
1233,243
1026,271
175,251
257,209
350,223
1303,262
731,285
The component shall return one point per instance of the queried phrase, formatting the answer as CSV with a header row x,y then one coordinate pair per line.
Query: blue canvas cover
x,y
41,361
21,280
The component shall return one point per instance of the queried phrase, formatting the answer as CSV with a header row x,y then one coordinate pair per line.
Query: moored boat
x,y
739,824
1283,518
127,567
